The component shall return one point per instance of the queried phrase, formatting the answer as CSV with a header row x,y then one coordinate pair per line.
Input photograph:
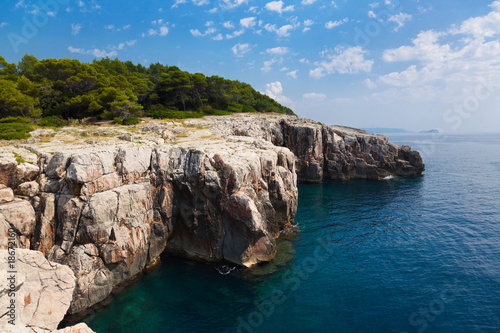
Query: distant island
x,y
432,131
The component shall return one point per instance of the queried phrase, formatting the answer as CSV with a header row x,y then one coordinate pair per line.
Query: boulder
x,y
42,292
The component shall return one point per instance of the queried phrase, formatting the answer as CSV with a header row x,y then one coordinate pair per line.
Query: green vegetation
x,y
52,121
19,158
61,90
15,128
131,121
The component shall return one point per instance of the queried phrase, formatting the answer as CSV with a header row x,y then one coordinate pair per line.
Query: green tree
x,y
14,103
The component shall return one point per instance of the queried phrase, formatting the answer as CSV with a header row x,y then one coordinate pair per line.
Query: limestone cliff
x,y
109,202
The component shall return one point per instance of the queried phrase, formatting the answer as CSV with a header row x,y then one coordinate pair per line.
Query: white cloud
x,y
448,65
3,24
277,6
314,97
308,2
278,50
484,26
236,33
131,42
95,52
342,60
126,27
213,10
109,27
233,3
292,74
275,91
371,14
400,19
240,49
228,25
218,37
75,50
200,2
177,3
333,24
75,28
283,31
307,24
90,6
163,31
195,32
267,65
370,84
248,22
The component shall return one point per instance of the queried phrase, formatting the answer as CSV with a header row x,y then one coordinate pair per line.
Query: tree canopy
x,y
110,89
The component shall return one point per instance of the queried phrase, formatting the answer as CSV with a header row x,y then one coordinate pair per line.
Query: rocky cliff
x,y
108,201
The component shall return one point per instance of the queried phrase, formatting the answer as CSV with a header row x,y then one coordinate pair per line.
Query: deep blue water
x,y
401,255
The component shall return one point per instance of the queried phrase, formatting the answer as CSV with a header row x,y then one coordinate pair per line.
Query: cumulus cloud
x,y
162,31
343,61
292,74
277,6
283,31
278,50
267,65
450,67
400,19
240,49
233,3
334,24
248,22
75,28
308,2
314,97
95,52
228,25
275,91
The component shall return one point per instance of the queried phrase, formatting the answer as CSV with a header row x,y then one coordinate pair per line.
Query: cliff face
x,y
222,192
330,152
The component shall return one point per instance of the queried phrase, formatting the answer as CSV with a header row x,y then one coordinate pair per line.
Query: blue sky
x,y
412,64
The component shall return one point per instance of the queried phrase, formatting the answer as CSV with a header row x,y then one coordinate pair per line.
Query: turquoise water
x,y
401,255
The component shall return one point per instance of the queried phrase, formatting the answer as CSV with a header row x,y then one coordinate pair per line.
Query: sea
x,y
396,255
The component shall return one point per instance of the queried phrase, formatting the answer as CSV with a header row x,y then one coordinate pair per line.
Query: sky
x,y
413,64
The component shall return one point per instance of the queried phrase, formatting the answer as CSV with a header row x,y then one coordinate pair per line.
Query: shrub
x,y
52,121
171,114
14,131
248,108
117,121
23,120
221,113
130,121
206,109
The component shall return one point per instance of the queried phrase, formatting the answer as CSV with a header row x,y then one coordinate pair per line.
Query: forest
x,y
63,89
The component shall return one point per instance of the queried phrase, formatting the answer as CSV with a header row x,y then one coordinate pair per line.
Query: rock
x,y
6,194
78,328
56,167
223,192
43,292
12,174
94,281
21,216
46,223
41,132
29,189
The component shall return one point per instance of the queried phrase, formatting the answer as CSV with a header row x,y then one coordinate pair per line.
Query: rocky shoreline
x,y
106,202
